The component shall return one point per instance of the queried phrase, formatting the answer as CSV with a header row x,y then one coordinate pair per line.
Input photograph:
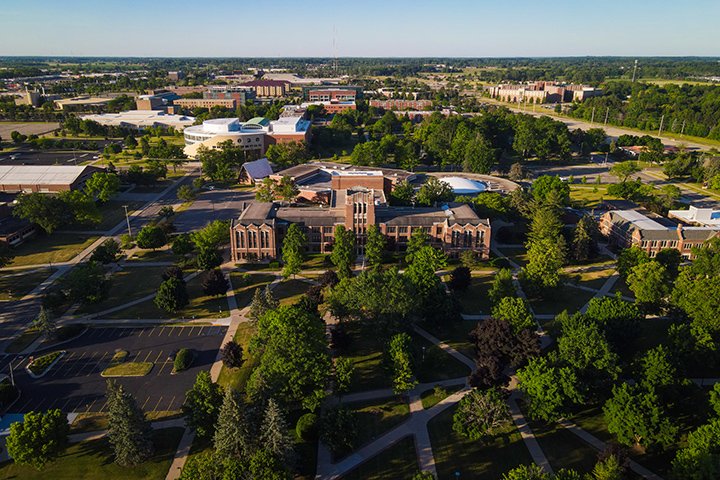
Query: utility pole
x,y
607,112
12,377
634,72
127,218
682,130
662,119
592,117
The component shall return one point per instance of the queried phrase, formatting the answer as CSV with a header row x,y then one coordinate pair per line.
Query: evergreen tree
x,y
232,433
274,435
232,354
343,253
270,300
292,250
45,322
202,405
584,243
129,432
258,306
374,246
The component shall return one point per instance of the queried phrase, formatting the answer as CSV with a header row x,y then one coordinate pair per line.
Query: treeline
x,y
689,109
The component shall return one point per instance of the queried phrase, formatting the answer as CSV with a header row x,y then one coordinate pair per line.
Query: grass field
x,y
397,463
128,285
290,291
366,352
432,397
474,459
93,459
564,449
376,417
164,255
517,255
237,377
589,195
435,364
454,334
563,298
55,248
245,285
595,278
475,299
112,212
23,341
15,284
128,369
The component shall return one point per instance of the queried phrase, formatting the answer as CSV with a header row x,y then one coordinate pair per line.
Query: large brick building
x,y
356,202
628,228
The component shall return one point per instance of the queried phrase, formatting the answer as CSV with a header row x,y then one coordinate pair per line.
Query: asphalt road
x,y
218,204
74,384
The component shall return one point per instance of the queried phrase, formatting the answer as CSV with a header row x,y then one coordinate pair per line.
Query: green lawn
x,y
245,285
432,397
238,377
164,255
398,462
563,448
55,248
454,334
366,352
201,305
621,286
563,298
474,459
128,369
376,417
112,213
435,364
591,279
23,341
93,459
475,299
289,291
15,284
589,195
318,261
127,285
516,254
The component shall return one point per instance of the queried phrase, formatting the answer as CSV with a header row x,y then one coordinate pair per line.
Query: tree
x,y
715,399
403,193
38,439
186,193
258,306
222,162
648,281
433,191
293,361
516,172
45,323
550,186
545,251
130,142
549,390
232,437
515,311
460,278
171,295
624,170
102,185
107,252
129,432
214,283
265,191
343,252
344,372
182,245
671,259
480,413
292,250
608,469
151,236
211,236
374,246
418,239
202,405
48,211
86,283
287,154
635,417
583,346
700,458
209,258
232,354
274,434
338,429
697,287
401,360
502,285
584,243
286,189
619,319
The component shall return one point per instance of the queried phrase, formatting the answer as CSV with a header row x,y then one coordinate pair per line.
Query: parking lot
x,y
75,384
47,158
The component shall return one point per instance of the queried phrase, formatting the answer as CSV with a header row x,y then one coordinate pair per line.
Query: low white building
x,y
142,119
706,217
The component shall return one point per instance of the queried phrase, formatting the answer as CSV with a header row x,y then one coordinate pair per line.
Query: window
x,y
402,229
391,229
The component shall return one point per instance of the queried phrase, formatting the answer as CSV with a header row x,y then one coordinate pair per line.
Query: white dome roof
x,y
464,186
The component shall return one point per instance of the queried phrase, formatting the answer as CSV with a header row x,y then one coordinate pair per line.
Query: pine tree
x,y
128,431
270,300
258,306
584,243
232,438
45,322
274,435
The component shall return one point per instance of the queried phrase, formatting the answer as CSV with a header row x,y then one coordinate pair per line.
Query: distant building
x,y
158,100
332,106
340,93
253,172
241,95
705,217
142,119
356,203
13,230
174,76
399,104
543,92
268,88
44,178
208,103
82,101
628,228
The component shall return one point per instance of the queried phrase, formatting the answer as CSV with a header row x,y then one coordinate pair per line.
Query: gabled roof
x,y
258,169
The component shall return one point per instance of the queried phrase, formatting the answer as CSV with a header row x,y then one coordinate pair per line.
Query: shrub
x,y
306,427
8,393
274,265
232,355
183,359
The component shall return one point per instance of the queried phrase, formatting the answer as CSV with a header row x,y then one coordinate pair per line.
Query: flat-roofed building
x,y
332,106
401,104
268,88
142,119
44,178
705,217
241,95
628,228
83,101
342,93
206,102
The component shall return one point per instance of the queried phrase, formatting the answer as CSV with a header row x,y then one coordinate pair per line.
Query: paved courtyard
x,y
74,384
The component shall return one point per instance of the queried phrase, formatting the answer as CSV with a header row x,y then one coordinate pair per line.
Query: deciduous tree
x,y
202,405
292,250
38,439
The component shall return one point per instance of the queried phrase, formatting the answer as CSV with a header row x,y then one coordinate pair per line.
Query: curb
x,y
47,369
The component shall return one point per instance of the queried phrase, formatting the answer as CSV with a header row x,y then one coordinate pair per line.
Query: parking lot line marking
x,y
157,404
162,330
172,401
191,330
158,357
92,370
90,406
65,404
103,406
151,332
78,361
147,356
141,333
163,366
143,406
78,405
22,408
63,361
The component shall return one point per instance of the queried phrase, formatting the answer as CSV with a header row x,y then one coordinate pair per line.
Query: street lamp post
x,y
127,218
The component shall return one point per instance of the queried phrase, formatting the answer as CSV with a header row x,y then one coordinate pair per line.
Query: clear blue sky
x,y
370,28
